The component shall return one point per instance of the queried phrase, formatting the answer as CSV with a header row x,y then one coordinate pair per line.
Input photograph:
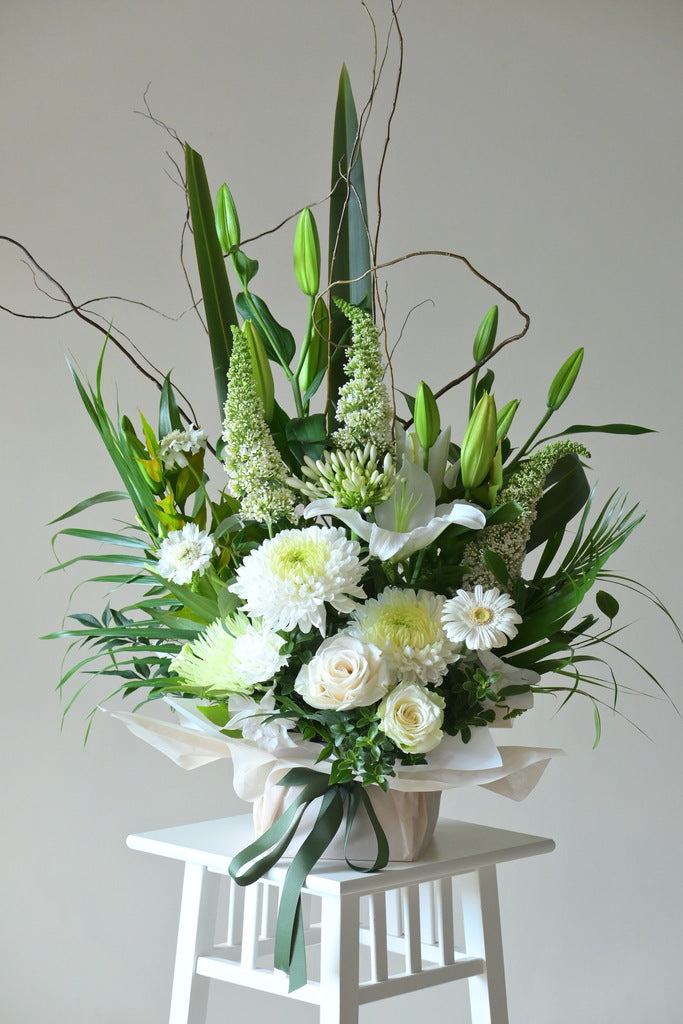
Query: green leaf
x,y
278,341
307,435
568,493
218,304
218,714
245,267
349,248
496,566
97,499
105,538
605,428
607,604
169,415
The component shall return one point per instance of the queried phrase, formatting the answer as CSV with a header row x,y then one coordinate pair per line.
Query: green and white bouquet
x,y
349,591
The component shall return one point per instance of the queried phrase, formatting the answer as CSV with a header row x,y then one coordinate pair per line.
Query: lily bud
x,y
564,379
260,366
485,337
505,418
227,221
479,443
316,356
426,416
307,253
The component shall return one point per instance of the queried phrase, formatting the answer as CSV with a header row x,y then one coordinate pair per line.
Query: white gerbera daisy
x,y
176,446
230,656
185,552
288,579
482,619
406,626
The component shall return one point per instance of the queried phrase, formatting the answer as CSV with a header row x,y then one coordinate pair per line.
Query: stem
x,y
527,444
473,390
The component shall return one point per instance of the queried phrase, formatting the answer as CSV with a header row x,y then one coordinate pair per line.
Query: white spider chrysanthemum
x,y
289,578
480,618
230,656
185,552
176,446
406,626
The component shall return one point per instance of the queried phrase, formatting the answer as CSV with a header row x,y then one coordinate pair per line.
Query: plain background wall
x,y
541,139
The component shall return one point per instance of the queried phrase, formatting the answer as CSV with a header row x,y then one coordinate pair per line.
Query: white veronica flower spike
x,y
408,521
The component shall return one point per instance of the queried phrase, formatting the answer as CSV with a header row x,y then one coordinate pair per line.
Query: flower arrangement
x,y
362,592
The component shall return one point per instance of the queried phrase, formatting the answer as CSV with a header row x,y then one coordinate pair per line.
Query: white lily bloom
x,y
408,446
408,521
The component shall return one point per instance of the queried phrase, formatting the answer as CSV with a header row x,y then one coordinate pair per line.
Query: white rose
x,y
344,673
412,717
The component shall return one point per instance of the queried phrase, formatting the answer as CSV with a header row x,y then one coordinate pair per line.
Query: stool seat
x,y
378,934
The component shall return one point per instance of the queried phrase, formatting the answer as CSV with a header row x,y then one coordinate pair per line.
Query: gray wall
x,y
543,140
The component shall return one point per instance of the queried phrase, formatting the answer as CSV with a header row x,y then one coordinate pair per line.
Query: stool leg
x,y
195,937
481,919
340,922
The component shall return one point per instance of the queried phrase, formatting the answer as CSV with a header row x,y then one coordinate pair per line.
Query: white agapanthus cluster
x,y
364,411
355,479
175,447
256,472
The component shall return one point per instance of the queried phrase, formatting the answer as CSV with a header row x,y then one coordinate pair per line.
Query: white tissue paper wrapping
x,y
194,741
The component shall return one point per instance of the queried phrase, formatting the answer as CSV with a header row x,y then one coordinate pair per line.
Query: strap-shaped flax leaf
x,y
349,248
219,307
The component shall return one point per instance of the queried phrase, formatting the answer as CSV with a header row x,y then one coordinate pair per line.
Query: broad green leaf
x,y
218,304
607,604
349,248
307,435
278,341
568,493
605,428
496,566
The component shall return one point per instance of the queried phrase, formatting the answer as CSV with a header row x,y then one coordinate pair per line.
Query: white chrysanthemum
x,y
289,578
406,626
176,446
480,618
230,656
185,552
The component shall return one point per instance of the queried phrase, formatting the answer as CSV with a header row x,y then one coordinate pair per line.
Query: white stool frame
x,y
408,912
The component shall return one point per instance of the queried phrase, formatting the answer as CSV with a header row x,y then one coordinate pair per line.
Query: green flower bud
x,y
227,221
479,443
486,335
260,366
563,380
426,416
505,418
315,359
307,253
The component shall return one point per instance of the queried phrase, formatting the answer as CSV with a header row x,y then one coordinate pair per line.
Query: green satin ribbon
x,y
256,859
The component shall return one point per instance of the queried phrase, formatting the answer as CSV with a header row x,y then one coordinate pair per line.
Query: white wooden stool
x,y
377,935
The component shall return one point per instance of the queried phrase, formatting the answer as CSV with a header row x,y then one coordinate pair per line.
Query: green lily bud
x,y
227,221
505,418
485,337
563,380
260,366
307,253
479,443
315,359
426,416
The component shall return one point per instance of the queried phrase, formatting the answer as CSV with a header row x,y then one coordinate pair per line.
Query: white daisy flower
x,y
185,552
480,618
289,578
406,626
230,656
176,446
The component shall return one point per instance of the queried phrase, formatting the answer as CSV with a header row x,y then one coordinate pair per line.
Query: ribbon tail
x,y
358,795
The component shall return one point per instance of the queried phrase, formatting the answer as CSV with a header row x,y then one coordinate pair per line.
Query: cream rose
x,y
412,717
344,673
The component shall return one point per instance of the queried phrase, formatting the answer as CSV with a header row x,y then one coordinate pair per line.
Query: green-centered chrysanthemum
x,y
254,466
230,656
364,411
406,626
